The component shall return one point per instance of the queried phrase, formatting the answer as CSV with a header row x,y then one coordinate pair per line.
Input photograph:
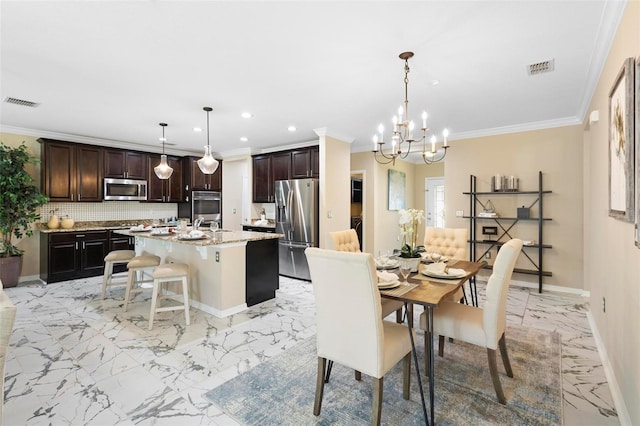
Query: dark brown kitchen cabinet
x,y
165,190
195,180
305,162
71,172
71,255
120,163
268,168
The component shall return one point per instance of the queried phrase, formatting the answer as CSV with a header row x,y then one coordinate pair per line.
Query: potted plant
x,y
19,200
409,221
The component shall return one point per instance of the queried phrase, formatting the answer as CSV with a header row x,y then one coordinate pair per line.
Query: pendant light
x,y
208,164
163,170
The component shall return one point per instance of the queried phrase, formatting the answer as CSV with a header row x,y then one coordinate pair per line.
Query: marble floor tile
x,y
75,358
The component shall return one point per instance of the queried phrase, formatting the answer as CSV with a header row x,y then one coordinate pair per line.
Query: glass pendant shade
x,y
208,164
163,170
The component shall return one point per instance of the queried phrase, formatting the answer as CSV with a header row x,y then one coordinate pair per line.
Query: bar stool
x,y
170,273
113,258
135,279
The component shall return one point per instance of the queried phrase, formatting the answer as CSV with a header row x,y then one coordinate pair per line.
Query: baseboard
x,y
616,394
29,278
554,288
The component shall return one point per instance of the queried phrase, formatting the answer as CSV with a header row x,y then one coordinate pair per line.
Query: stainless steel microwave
x,y
125,189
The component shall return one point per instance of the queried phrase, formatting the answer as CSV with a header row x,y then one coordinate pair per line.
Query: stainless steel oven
x,y
206,205
125,189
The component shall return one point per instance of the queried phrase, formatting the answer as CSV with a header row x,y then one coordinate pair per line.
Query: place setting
x,y
390,283
385,261
441,272
432,258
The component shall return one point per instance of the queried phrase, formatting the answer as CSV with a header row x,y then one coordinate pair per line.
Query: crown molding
x,y
324,132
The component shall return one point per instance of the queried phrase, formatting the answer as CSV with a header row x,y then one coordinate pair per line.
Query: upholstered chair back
x,y
345,240
451,242
494,315
7,318
349,321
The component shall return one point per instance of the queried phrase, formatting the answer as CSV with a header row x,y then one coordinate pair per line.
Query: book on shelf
x,y
487,214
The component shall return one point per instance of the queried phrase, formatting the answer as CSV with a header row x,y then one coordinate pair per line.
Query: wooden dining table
x,y
429,292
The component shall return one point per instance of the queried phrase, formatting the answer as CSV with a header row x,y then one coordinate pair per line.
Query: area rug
x,y
281,391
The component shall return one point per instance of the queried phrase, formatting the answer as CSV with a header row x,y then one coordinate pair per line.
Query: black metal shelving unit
x,y
506,225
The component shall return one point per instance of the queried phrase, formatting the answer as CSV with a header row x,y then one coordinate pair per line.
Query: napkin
x,y
436,268
137,228
196,234
385,277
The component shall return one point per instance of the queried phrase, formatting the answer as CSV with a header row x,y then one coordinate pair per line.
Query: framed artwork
x,y
621,144
397,180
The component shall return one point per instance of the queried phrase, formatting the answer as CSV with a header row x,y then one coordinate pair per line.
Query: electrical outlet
x,y
604,305
459,213
488,255
217,256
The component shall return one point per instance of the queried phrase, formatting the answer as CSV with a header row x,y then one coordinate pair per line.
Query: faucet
x,y
197,222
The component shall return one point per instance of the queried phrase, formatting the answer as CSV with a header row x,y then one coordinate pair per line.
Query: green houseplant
x,y
19,200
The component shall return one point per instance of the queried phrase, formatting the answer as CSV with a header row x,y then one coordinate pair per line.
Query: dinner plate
x,y
387,286
162,234
443,276
388,265
139,229
443,259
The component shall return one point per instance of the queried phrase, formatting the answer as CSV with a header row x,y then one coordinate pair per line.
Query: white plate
x,y
162,234
443,276
388,286
388,265
427,259
140,230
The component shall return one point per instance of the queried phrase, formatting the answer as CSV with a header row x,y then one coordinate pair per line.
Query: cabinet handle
x,y
84,245
80,236
71,197
76,245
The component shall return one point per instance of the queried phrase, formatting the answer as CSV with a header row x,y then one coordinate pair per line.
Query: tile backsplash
x,y
109,210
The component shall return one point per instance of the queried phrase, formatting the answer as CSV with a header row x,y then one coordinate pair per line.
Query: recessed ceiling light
x,y
246,115
435,82
291,128
243,139
197,129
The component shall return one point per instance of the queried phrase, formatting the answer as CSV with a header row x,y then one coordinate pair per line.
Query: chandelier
x,y
163,170
402,135
207,163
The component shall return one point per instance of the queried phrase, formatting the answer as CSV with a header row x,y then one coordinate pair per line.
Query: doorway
x,y
357,205
434,202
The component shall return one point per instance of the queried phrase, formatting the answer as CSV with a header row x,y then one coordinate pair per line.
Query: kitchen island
x,y
229,270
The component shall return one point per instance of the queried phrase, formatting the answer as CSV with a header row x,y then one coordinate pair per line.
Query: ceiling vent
x,y
541,67
22,102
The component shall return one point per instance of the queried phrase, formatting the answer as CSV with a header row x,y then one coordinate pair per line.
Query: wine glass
x,y
213,226
405,269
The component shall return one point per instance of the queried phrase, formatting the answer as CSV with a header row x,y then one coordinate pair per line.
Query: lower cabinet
x,y
262,271
72,255
259,229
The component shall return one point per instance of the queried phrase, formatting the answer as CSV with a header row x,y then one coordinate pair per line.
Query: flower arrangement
x,y
409,221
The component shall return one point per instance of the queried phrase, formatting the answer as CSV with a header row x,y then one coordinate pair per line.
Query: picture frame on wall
x,y
397,181
622,143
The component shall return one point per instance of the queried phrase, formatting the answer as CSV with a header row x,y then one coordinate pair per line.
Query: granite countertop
x,y
96,225
268,223
222,237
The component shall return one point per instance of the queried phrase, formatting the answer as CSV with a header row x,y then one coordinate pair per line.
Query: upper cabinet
x,y
71,172
268,168
119,163
195,180
294,164
165,190
305,162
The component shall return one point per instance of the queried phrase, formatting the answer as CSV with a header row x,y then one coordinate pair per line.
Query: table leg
x,y
432,373
474,291
415,361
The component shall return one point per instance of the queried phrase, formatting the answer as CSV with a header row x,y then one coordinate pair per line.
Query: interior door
x,y
434,202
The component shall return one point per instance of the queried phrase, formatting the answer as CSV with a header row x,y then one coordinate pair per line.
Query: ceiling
x,y
109,72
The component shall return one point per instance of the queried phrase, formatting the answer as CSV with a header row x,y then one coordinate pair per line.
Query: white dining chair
x,y
347,282
348,241
481,326
450,242
7,319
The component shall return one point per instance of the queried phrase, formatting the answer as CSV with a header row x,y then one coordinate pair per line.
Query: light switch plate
x,y
459,213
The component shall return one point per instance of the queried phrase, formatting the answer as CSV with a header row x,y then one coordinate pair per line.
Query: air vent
x,y
22,102
541,67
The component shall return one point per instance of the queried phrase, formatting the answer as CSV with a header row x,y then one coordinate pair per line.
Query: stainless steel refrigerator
x,y
297,218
